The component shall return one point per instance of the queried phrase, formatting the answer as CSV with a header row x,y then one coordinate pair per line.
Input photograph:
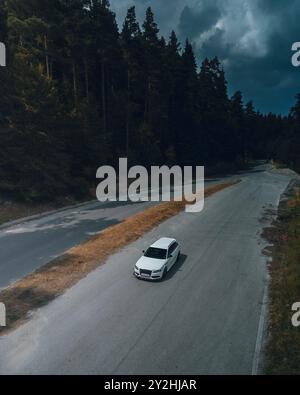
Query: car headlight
x,y
136,268
157,271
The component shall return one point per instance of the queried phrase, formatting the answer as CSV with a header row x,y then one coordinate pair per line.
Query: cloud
x,y
193,23
253,38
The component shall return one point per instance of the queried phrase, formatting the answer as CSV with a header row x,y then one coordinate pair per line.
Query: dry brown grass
x,y
11,210
283,345
295,200
39,288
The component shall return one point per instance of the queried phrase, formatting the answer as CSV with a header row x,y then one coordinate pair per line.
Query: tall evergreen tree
x,y
152,126
132,49
172,88
214,107
293,156
188,97
238,121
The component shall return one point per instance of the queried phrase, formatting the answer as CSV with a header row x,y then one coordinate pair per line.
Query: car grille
x,y
147,272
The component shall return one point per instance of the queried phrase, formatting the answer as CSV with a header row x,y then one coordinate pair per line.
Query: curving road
x,y
204,319
27,246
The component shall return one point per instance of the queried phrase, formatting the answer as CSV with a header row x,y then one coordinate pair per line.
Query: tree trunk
x,y
51,69
128,115
47,57
147,101
103,96
74,84
86,74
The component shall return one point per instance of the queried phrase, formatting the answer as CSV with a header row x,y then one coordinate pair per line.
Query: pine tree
x,y
150,29
214,106
295,111
154,109
238,121
187,123
294,147
132,51
131,28
172,81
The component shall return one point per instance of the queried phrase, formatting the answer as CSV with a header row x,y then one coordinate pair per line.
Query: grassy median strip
x,y
283,345
41,287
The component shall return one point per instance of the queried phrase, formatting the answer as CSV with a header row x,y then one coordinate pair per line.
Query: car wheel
x,y
164,273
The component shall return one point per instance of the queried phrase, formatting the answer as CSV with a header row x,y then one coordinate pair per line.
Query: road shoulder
x,y
282,340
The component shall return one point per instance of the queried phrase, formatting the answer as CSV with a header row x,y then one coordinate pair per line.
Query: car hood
x,y
150,263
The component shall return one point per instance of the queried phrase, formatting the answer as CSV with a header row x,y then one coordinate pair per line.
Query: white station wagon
x,y
157,260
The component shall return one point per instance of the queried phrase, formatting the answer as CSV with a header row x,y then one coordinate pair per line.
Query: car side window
x,y
171,249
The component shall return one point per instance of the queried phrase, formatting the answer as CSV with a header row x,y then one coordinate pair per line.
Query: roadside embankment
x,y
283,339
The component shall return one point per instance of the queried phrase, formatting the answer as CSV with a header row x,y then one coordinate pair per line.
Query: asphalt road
x,y
27,246
203,319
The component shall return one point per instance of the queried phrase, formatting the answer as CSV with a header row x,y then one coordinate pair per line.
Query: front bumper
x,y
152,277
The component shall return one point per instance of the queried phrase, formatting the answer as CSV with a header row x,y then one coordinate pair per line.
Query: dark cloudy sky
x,y
253,38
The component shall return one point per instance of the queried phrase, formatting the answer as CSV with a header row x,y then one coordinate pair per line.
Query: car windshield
x,y
156,253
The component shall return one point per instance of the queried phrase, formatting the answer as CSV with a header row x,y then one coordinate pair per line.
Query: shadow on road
x,y
176,268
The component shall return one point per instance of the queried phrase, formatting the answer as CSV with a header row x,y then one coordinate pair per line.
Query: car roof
x,y
164,243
